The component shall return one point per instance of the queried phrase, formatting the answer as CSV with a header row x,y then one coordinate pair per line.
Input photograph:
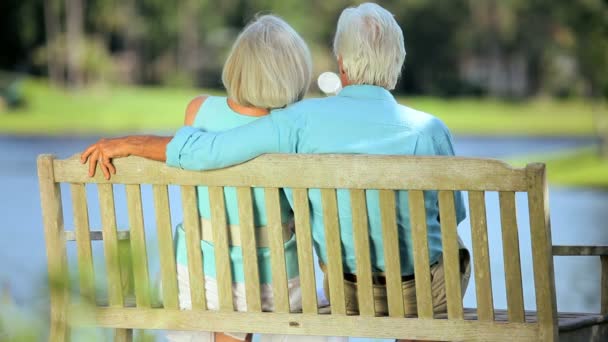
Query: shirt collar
x,y
364,91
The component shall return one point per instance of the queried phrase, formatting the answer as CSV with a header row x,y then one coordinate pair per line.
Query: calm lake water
x,y
578,216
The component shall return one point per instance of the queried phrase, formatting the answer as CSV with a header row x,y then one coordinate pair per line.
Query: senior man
x,y
363,118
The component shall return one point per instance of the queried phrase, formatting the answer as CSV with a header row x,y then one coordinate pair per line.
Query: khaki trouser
x,y
409,289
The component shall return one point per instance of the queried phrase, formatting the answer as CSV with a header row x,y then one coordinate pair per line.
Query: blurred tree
x,y
506,48
588,23
434,35
74,41
52,20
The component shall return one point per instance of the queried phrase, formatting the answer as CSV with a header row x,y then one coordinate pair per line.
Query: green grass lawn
x,y
99,110
495,117
114,110
580,167
122,109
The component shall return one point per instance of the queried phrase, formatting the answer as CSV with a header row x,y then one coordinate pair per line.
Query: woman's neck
x,y
246,110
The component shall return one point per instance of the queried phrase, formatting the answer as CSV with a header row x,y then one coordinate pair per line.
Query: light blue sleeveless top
x,y
213,116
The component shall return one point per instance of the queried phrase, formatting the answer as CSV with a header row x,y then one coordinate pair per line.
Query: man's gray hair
x,y
370,42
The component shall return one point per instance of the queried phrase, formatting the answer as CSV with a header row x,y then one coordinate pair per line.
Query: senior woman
x,y
269,67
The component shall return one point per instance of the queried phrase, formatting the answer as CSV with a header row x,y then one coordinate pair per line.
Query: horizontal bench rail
x,y
355,172
310,324
97,235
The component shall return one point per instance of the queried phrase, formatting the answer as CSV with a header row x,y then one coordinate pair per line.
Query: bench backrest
x,y
301,172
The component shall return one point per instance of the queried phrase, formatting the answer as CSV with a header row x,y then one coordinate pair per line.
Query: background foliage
x,y
507,48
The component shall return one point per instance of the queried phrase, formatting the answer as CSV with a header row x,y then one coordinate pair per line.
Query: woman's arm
x,y
193,108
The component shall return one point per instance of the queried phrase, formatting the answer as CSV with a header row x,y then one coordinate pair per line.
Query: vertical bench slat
x,y
165,247
118,278
334,251
451,262
604,285
277,250
83,242
510,246
422,274
542,258
481,256
361,238
52,218
250,250
123,335
110,243
392,260
305,254
138,246
221,245
192,226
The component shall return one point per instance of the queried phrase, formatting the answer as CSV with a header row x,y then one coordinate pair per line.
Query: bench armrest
x,y
580,250
602,252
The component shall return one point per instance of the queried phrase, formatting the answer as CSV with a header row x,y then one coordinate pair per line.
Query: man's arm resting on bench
x,y
103,151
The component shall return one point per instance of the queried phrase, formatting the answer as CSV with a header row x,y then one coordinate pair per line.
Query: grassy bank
x,y
99,110
121,110
581,167
536,117
115,110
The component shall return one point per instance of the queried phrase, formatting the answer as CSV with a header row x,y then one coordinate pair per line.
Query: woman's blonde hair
x,y
269,65
370,42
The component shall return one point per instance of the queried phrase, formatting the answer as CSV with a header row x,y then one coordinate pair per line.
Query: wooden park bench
x,y
328,173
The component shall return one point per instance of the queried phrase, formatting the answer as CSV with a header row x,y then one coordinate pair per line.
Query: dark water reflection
x,y
578,217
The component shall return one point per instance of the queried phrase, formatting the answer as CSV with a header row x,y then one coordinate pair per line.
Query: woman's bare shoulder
x,y
192,109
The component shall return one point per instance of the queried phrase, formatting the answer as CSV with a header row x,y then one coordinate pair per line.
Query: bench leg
x,y
604,285
59,332
127,285
123,335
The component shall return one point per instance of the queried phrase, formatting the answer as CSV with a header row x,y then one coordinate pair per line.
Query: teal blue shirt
x,y
215,116
360,119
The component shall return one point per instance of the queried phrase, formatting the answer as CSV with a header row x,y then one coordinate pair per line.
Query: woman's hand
x,y
103,152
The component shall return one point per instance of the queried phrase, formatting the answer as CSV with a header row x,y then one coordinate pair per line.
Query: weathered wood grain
x,y
322,171
250,250
424,298
363,259
335,271
192,226
168,266
481,256
305,252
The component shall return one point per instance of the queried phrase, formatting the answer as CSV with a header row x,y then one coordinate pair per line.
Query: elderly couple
x,y
266,76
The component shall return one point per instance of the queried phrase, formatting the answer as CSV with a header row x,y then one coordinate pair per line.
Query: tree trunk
x,y
600,120
51,25
188,56
75,42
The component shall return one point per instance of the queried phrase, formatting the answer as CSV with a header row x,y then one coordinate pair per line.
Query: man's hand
x,y
103,151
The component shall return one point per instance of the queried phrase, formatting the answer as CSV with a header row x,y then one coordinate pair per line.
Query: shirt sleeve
x,y
196,149
437,141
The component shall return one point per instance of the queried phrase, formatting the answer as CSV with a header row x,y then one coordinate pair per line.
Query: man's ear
x,y
342,72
